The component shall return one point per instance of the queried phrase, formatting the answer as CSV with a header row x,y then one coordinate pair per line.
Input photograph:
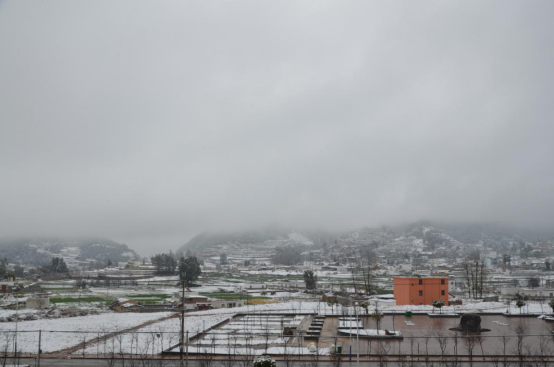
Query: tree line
x,y
187,268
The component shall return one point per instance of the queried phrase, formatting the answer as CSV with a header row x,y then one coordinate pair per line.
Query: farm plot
x,y
154,338
64,333
248,335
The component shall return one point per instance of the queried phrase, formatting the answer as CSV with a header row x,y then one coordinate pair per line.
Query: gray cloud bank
x,y
149,121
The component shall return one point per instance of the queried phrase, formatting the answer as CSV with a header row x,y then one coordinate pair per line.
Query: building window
x,y
442,281
420,293
442,293
421,282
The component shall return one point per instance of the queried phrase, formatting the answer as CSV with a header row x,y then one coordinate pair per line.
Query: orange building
x,y
420,291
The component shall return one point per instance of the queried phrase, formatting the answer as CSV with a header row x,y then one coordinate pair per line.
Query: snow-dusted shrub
x,y
264,361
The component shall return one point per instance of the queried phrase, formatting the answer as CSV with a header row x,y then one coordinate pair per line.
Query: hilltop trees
x,y
286,255
188,268
58,265
164,263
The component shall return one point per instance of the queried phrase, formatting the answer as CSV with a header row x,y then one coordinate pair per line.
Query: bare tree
x,y
354,283
368,259
134,336
230,361
402,361
495,361
206,358
377,316
383,354
469,342
475,274
7,341
521,330
455,340
504,340
545,351
442,341
119,337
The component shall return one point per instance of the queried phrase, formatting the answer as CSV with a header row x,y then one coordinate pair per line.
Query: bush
x,y
264,361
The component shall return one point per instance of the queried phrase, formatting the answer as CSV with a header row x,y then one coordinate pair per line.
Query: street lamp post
x,y
350,326
357,336
16,321
182,336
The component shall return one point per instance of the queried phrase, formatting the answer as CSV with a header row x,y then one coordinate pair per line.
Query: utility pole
x,y
16,321
182,334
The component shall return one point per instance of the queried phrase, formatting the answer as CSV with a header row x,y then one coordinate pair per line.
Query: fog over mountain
x,y
149,122
431,232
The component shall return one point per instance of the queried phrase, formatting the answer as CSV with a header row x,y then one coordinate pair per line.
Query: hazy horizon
x,y
150,122
147,247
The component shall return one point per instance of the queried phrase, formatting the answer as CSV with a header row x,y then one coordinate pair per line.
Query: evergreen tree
x,y
189,269
311,280
439,303
164,263
3,267
58,265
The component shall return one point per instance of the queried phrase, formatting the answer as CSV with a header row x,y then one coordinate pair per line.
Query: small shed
x,y
38,303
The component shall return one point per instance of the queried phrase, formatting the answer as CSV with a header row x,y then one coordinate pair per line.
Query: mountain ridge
x,y
431,231
38,251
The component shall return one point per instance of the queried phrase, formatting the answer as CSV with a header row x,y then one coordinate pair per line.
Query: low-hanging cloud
x,y
151,121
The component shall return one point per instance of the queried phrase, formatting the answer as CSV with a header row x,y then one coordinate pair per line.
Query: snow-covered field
x,y
66,332
154,338
8,313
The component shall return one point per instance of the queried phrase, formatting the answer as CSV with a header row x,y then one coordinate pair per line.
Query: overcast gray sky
x,y
150,121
